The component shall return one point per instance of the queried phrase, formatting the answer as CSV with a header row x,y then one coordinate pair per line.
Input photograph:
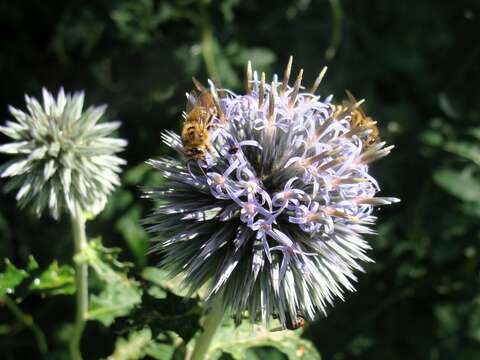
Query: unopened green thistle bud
x,y
63,159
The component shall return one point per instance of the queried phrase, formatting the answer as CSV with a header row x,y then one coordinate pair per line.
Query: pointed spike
x,y
271,101
248,78
198,85
286,75
216,102
350,96
296,88
346,111
274,87
352,99
318,80
349,109
358,103
261,92
217,86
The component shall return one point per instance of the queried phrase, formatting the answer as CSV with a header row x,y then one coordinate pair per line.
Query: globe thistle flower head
x,y
63,159
272,220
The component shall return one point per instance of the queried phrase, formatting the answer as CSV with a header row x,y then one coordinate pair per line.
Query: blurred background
x,y
415,62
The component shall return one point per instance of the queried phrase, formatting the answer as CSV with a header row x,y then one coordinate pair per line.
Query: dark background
x,y
416,63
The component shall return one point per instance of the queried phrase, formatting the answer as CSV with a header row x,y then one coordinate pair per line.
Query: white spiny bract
x,y
63,159
274,220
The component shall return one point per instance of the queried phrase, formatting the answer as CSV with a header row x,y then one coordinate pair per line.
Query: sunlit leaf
x,y
166,346
55,280
164,280
120,294
132,348
236,340
10,278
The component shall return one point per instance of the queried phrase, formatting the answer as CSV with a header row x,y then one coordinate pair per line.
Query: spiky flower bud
x,y
273,219
63,158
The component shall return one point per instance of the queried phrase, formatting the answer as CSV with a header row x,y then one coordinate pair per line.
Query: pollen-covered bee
x,y
198,122
358,119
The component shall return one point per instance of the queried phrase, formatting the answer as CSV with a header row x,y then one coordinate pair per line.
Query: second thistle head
x,y
63,158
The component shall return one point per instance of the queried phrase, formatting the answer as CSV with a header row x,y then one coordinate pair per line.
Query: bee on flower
x,y
273,223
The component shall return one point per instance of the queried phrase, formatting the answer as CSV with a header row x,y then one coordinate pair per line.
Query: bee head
x,y
195,152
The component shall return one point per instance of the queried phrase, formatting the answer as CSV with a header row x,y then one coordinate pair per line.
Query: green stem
x,y
211,323
336,37
28,322
81,280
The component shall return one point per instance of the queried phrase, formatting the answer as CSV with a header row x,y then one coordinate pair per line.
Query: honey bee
x,y
198,123
358,119
294,324
291,324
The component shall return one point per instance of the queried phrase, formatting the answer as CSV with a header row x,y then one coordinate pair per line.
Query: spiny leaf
x,y
11,278
236,341
163,279
165,312
168,345
119,294
55,280
132,348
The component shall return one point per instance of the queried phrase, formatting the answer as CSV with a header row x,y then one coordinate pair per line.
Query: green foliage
x,y
11,278
167,345
463,185
135,347
54,280
118,293
160,279
236,341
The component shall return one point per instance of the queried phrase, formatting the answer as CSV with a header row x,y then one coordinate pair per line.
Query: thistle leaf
x,y
119,294
236,342
54,280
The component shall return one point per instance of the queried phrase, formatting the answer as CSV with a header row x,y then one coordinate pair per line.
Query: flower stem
x,y
211,323
81,281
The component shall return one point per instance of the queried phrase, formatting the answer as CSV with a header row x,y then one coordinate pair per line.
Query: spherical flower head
x,y
273,219
63,159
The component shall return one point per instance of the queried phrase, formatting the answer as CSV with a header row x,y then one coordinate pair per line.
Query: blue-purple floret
x,y
273,220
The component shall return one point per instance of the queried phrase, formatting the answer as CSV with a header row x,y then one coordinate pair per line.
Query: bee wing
x,y
199,85
191,101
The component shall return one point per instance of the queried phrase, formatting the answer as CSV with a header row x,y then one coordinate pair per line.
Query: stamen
x,y
248,78
261,92
271,102
216,102
318,80
296,89
286,75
